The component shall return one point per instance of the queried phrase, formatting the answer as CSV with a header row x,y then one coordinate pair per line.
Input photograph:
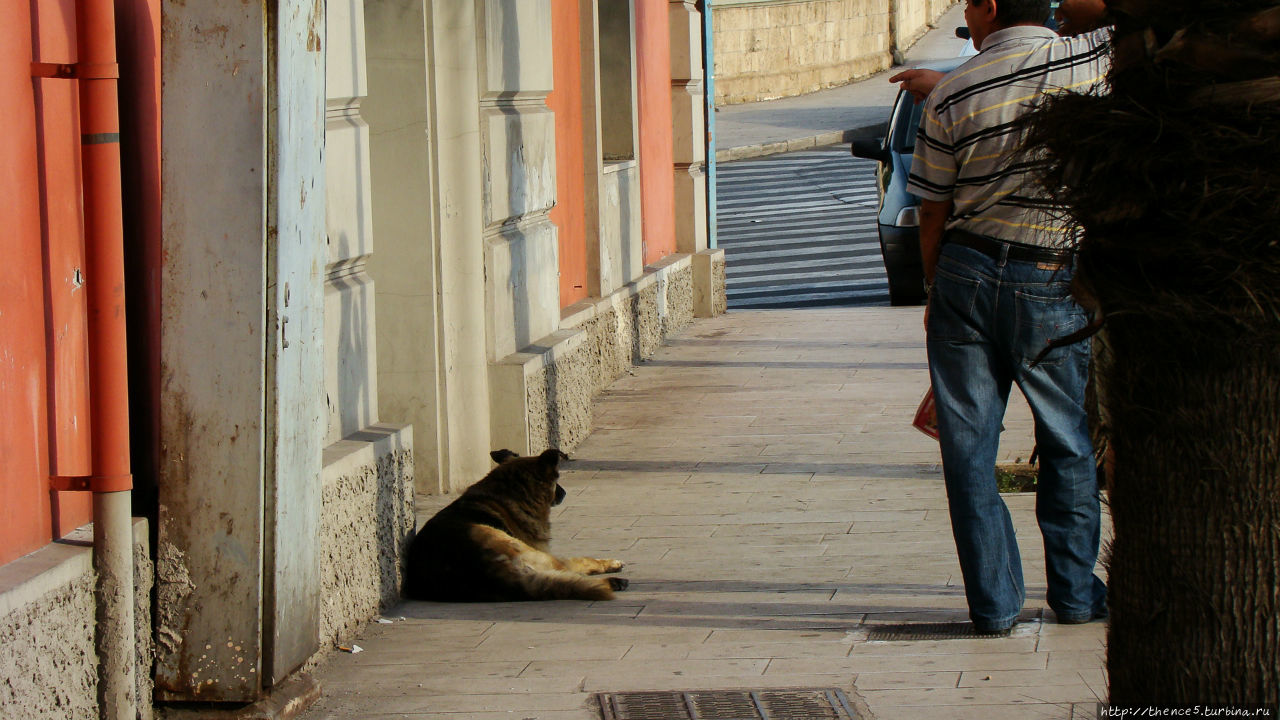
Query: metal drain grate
x,y
777,704
927,631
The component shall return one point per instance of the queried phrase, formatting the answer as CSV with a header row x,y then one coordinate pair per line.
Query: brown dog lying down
x,y
491,543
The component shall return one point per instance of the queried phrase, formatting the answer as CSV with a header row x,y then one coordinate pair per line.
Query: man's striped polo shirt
x,y
966,149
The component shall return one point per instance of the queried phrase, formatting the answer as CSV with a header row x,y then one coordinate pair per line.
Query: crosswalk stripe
x,y
799,229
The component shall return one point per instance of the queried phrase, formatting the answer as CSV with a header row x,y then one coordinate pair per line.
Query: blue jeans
x,y
988,320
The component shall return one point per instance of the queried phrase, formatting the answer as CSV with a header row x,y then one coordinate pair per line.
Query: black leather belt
x,y
992,248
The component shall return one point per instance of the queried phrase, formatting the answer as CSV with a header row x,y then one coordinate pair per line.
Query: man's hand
x,y
918,81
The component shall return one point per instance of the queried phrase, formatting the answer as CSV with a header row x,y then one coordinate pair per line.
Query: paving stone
x,y
709,670
767,516
1090,677
1063,695
890,680
436,704
840,680
1030,711
1065,660
939,662
1088,637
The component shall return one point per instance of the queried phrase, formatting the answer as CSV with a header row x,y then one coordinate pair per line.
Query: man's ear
x,y
503,455
988,9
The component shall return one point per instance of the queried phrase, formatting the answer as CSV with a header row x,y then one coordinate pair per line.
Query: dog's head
x,y
542,471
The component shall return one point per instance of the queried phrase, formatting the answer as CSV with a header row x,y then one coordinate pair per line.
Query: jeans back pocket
x,y
1044,316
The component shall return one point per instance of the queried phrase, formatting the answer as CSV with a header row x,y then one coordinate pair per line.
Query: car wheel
x,y
906,291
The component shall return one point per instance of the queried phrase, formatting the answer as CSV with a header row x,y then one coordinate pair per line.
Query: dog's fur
x,y
491,544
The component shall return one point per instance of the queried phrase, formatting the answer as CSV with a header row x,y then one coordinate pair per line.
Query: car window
x,y
906,121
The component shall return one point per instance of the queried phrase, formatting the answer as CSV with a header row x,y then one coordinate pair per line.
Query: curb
x,y
744,152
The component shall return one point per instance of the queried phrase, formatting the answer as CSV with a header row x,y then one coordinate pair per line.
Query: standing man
x,y
996,255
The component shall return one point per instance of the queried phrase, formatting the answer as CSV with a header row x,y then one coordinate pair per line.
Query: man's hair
x,y
1017,12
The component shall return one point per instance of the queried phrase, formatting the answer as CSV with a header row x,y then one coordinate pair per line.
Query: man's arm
x,y
933,222
918,81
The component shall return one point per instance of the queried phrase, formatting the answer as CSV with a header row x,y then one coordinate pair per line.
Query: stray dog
x,y
490,545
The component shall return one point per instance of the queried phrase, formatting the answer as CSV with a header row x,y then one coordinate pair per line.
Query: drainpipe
x,y
112,479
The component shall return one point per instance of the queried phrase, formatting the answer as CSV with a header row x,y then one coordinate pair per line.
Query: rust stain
x,y
315,21
213,34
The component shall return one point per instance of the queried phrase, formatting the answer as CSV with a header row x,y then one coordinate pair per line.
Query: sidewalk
x,y
774,507
829,116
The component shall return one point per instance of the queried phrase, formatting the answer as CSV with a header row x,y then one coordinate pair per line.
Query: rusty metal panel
x,y
295,305
213,331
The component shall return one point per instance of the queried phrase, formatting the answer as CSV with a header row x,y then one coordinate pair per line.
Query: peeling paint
x,y
173,587
316,21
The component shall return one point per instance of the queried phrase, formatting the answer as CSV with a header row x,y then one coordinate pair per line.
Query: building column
x,y
689,129
406,266
690,149
242,401
368,463
453,101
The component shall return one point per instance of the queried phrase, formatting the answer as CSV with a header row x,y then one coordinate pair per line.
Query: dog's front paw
x,y
612,566
618,583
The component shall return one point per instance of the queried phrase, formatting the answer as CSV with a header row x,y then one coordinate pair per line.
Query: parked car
x,y
899,215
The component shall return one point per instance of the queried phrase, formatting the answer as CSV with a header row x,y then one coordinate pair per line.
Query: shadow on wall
x,y
397,521
347,277
625,210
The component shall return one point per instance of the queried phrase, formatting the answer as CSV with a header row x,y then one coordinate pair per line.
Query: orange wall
x,y
23,438
565,101
43,378
657,153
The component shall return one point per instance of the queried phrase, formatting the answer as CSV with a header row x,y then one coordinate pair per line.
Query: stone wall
x,y
632,324
768,49
49,667
366,522
547,388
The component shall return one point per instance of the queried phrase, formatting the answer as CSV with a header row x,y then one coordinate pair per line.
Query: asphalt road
x,y
799,230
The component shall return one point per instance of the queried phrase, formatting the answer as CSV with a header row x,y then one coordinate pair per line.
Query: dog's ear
x,y
552,457
503,455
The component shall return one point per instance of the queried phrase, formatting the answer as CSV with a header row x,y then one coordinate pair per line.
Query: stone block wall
x,y
767,49
631,324
366,522
710,298
49,667
548,387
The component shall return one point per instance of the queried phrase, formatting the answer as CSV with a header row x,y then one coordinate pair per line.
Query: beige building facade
x,y
356,298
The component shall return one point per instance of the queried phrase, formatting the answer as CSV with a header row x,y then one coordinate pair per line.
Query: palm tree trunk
x,y
1173,177
1196,508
